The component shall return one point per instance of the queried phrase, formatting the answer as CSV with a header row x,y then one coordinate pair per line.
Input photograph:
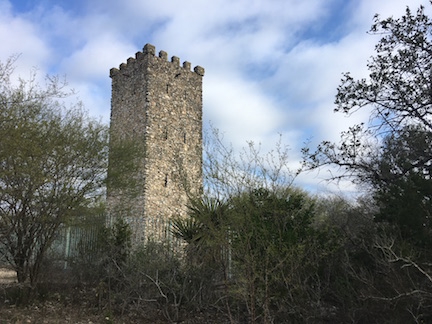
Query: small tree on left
x,y
53,163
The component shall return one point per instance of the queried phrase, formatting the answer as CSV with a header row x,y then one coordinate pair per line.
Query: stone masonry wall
x,y
157,104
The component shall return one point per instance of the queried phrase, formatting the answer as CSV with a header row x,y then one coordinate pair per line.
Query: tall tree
x,y
403,190
53,162
392,155
398,93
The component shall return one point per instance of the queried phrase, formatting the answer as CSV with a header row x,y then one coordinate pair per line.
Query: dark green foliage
x,y
102,258
276,218
263,252
118,239
387,262
404,189
204,215
206,230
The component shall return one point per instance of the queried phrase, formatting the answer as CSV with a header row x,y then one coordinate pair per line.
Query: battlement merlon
x,y
151,50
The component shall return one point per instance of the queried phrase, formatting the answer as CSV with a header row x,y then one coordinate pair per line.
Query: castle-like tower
x,y
156,105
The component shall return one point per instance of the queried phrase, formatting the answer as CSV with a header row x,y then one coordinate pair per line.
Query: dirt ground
x,y
55,309
75,306
51,313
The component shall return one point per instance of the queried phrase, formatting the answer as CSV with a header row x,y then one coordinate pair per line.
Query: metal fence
x,y
75,240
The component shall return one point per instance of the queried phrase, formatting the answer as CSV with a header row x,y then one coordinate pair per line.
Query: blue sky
x,y
272,66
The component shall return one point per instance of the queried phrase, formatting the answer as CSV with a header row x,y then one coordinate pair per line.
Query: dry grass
x,y
49,311
73,306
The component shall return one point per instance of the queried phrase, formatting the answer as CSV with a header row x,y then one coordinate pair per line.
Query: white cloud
x,y
94,60
20,36
239,108
271,65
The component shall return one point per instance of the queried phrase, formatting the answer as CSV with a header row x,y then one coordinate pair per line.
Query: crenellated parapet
x,y
149,51
156,103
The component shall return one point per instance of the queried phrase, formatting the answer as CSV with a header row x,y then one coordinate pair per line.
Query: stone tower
x,y
157,105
